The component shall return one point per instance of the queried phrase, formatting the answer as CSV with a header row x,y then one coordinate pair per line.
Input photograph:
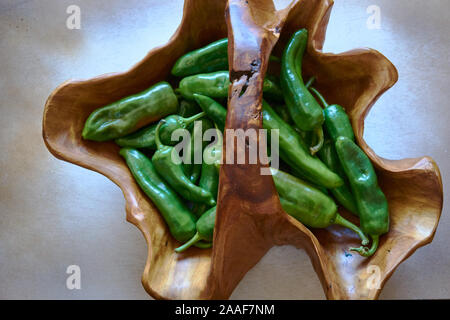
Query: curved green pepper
x,y
141,139
298,198
188,108
304,109
192,169
343,193
283,112
215,111
370,199
210,58
293,150
168,163
179,219
205,229
309,205
209,178
145,138
215,85
295,153
131,113
213,57
175,122
337,122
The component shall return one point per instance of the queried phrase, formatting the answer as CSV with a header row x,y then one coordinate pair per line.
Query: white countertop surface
x,y
54,214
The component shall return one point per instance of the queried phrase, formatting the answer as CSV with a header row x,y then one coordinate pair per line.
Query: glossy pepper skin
x,y
145,138
130,114
298,198
188,108
168,164
309,205
343,193
215,111
179,219
175,122
205,230
192,169
336,122
283,112
141,139
293,150
295,153
304,109
215,85
370,199
209,178
210,58
213,57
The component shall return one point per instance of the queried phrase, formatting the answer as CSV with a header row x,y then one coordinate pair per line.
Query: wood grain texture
x,y
250,219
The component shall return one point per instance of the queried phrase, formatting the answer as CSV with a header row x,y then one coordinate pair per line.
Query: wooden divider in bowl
x,y
250,219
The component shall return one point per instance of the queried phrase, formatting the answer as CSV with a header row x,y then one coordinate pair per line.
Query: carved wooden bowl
x,y
250,219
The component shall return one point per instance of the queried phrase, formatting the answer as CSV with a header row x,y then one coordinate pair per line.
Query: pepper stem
x,y
368,252
320,97
319,134
157,139
196,238
310,82
339,220
197,116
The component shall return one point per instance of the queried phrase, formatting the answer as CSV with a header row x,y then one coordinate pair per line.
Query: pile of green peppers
x,y
317,145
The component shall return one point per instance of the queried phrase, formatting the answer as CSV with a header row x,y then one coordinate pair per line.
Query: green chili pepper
x,y
214,110
293,150
192,169
195,173
304,109
283,113
205,229
175,122
298,198
131,113
337,122
308,205
145,138
210,58
370,199
141,139
188,108
168,163
180,220
295,153
213,152
213,57
215,85
343,193
209,179
297,173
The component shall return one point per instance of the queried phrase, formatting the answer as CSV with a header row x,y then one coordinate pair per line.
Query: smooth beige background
x,y
54,214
